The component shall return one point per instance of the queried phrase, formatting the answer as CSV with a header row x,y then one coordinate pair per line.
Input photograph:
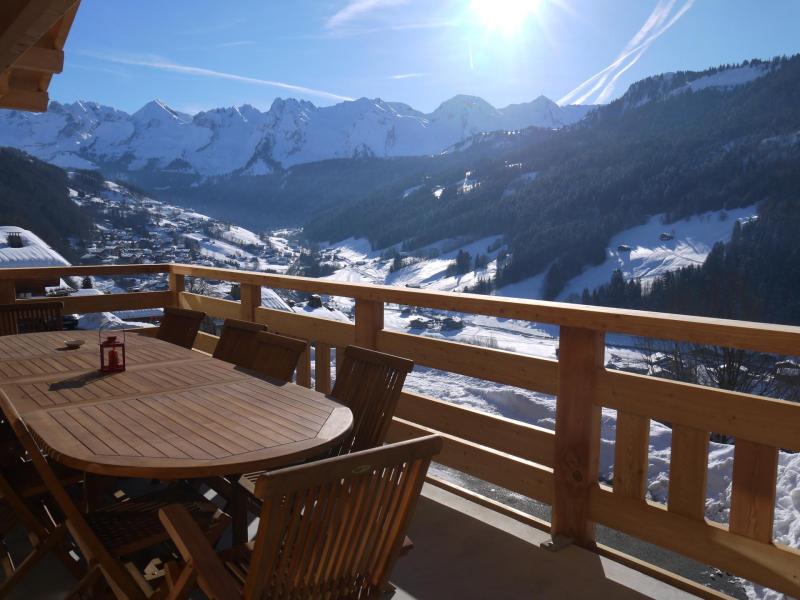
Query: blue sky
x,y
199,54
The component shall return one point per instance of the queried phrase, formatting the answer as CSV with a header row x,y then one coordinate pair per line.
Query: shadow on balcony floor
x,y
463,550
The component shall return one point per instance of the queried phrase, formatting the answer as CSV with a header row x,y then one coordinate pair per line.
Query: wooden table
x,y
174,414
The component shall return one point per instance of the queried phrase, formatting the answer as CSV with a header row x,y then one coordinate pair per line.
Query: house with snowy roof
x,y
20,248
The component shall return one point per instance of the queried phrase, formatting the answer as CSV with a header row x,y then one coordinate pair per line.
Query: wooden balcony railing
x,y
558,467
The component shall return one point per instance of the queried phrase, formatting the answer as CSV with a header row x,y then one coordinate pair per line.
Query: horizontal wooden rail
x,y
215,307
754,418
513,473
499,366
107,302
708,542
313,329
28,273
506,435
762,337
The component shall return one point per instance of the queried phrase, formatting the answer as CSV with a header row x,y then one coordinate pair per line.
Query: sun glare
x,y
503,16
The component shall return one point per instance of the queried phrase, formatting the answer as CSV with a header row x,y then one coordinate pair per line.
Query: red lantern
x,y
112,354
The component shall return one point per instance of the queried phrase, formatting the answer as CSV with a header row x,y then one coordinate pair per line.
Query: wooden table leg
x,y
238,508
93,488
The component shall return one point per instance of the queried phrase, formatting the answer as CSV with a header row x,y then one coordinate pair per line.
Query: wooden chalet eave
x,y
32,37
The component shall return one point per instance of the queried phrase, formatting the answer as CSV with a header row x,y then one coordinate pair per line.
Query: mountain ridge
x,y
242,140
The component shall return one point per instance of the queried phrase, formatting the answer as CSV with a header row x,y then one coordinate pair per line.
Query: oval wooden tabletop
x,y
176,414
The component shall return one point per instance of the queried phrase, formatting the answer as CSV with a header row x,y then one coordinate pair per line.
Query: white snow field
x,y
649,256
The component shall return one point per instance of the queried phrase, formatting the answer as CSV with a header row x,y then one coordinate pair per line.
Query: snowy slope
x,y
649,257
251,142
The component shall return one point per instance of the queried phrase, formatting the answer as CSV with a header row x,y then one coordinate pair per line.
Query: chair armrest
x,y
212,576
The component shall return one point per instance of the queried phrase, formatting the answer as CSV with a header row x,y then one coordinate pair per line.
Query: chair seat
x,y
133,525
237,562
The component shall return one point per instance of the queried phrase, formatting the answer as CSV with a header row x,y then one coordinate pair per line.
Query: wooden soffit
x,y
32,37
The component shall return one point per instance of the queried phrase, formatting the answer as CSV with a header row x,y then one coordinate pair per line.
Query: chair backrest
x,y
121,582
369,384
180,326
277,355
237,343
31,318
334,528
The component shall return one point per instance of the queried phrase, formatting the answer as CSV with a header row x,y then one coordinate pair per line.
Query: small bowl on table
x,y
73,344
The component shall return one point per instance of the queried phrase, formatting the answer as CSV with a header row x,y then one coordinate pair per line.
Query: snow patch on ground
x,y
727,78
650,256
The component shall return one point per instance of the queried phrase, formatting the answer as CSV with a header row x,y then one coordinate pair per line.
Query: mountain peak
x,y
464,100
159,110
230,140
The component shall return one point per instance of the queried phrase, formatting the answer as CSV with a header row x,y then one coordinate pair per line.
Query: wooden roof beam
x,y
43,60
25,28
25,100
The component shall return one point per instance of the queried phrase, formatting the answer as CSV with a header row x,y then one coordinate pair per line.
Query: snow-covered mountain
x,y
247,141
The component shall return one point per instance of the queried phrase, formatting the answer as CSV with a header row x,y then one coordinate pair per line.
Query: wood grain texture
x,y
771,565
322,368
191,416
506,435
577,447
745,416
369,321
761,337
688,472
755,470
510,368
630,455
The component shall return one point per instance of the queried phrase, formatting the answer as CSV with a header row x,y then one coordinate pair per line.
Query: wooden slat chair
x,y
180,326
276,355
329,529
107,535
31,318
237,342
369,384
24,502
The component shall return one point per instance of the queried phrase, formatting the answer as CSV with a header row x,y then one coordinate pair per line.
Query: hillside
x,y
35,196
701,142
752,277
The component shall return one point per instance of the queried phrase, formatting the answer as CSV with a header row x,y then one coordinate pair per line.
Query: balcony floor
x,y
466,551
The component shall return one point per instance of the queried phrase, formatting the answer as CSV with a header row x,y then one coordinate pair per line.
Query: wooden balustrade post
x,y
755,470
322,369
369,321
250,300
303,373
577,443
177,284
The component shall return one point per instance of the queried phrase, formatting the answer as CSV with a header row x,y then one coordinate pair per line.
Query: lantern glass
x,y
112,355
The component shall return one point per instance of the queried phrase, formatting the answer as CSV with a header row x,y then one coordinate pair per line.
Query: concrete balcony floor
x,y
467,551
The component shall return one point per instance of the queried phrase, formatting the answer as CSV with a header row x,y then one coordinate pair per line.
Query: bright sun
x,y
504,16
